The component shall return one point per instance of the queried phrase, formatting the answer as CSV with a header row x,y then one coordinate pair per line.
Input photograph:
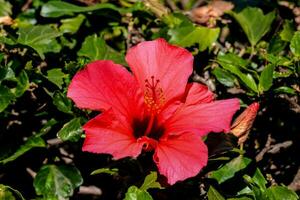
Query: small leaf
x,y
71,25
5,97
56,76
281,193
8,193
254,23
288,31
224,77
228,171
187,36
5,8
95,48
233,59
134,193
266,78
276,45
41,38
150,182
57,181
22,84
60,8
113,171
62,103
213,194
71,131
285,89
295,44
33,142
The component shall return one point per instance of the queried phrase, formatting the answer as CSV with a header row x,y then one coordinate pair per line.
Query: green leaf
x,y
95,48
33,142
280,193
187,36
259,179
5,97
62,103
288,31
213,194
8,193
150,182
254,23
295,44
57,181
22,84
41,38
285,89
247,79
113,171
60,8
134,193
71,25
5,8
276,45
71,131
233,59
224,77
266,78
56,76
228,171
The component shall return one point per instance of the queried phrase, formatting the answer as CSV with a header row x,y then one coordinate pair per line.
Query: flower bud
x,y
243,123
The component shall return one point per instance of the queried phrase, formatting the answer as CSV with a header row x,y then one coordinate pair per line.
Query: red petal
x,y
169,64
107,134
203,118
104,84
197,93
181,157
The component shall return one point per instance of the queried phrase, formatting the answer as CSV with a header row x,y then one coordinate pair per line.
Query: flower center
x,y
153,95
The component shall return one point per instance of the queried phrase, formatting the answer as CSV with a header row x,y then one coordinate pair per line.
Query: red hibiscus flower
x,y
152,109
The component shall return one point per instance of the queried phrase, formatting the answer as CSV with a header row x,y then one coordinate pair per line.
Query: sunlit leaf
x,y
187,36
56,76
5,8
295,44
281,193
57,181
150,182
228,171
62,103
213,194
95,48
254,23
266,78
22,84
41,38
6,96
134,193
8,193
71,131
71,25
288,31
113,171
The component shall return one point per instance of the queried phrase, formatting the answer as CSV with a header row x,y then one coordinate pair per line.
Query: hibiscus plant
x,y
142,100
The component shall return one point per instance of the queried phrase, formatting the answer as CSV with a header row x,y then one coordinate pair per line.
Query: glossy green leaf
x,y
295,44
113,171
5,8
71,25
56,76
8,193
233,59
288,31
60,8
276,45
187,36
95,48
247,79
228,171
281,193
285,89
71,131
134,193
150,182
254,23
6,96
41,38
213,194
62,103
224,77
266,78
32,142
57,181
